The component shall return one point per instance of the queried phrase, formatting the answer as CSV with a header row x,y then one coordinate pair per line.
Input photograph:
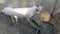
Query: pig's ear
x,y
33,3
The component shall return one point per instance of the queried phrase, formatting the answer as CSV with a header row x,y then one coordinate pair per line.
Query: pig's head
x,y
38,8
